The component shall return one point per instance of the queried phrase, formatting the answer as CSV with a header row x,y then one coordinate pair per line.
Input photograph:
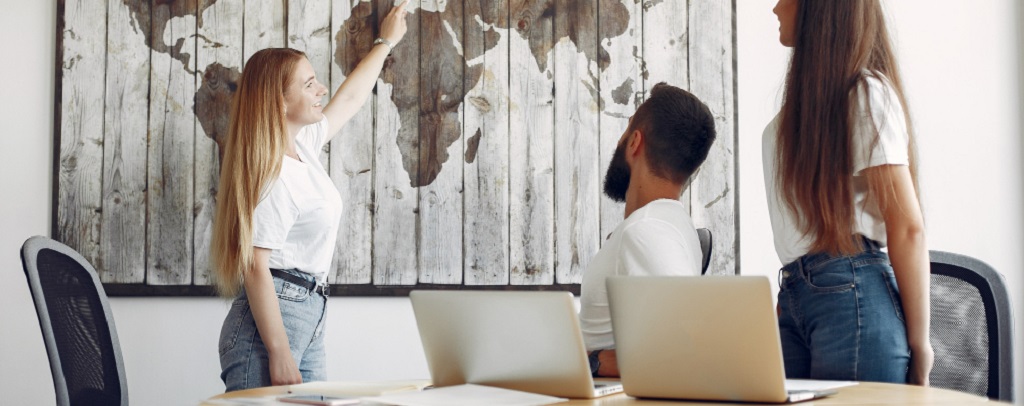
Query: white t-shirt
x,y
879,110
299,215
657,239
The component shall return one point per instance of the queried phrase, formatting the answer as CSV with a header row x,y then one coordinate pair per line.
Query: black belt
x,y
297,280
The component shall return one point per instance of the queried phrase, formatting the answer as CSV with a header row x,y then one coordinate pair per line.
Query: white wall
x,y
960,67
959,60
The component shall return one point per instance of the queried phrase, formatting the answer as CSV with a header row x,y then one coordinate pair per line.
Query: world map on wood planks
x,y
219,81
478,160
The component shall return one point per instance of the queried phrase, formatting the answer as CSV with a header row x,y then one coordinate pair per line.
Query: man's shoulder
x,y
661,214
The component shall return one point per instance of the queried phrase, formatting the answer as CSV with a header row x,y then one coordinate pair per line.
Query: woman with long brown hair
x,y
840,176
278,212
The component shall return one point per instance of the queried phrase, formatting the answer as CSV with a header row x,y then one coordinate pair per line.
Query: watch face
x,y
595,362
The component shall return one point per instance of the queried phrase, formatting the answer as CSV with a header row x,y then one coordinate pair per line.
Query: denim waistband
x,y
813,260
302,279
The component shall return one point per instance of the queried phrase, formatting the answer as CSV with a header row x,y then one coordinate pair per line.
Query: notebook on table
x,y
527,341
702,338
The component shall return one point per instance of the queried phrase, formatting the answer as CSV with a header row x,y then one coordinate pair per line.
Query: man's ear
x,y
636,141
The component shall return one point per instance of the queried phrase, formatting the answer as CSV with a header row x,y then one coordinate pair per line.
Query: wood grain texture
x,y
486,169
712,73
351,151
665,50
622,86
396,150
263,26
441,70
477,162
576,140
79,172
123,236
531,128
309,30
219,61
171,145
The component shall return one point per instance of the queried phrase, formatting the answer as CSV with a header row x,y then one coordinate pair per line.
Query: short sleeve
x,y
314,135
653,247
274,217
880,112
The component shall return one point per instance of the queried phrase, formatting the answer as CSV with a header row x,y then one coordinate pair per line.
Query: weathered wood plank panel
x,y
171,144
397,161
441,70
309,30
351,152
486,221
622,87
531,128
219,58
576,141
449,174
81,128
263,26
713,191
665,49
123,232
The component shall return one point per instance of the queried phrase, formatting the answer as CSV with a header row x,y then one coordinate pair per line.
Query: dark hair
x,y
678,131
836,42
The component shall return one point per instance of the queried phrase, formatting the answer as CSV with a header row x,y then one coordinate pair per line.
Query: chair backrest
x,y
971,329
704,235
78,330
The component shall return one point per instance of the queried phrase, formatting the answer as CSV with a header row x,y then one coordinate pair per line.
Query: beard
x,y
616,180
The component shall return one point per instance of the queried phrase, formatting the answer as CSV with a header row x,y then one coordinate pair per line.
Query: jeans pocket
x,y
233,325
833,276
894,292
289,291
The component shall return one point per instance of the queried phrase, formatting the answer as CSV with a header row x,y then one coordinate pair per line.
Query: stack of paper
x,y
466,395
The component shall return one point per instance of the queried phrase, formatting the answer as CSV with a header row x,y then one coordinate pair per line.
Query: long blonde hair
x,y
253,155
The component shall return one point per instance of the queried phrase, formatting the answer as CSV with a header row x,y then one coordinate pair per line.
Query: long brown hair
x,y
836,42
253,155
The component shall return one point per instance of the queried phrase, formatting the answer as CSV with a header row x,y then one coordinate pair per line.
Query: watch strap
x,y
595,362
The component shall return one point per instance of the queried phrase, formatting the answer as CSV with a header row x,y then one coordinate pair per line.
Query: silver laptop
x,y
528,341
699,338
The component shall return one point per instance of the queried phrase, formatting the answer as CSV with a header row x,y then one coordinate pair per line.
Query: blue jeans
x,y
841,318
244,360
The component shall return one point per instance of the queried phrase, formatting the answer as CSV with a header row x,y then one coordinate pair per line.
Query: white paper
x,y
466,395
815,385
263,400
357,388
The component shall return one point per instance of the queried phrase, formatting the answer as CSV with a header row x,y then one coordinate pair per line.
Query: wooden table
x,y
867,393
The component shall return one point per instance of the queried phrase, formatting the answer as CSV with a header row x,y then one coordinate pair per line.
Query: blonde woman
x,y
840,175
278,212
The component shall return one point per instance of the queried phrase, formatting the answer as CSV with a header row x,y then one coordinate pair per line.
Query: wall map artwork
x,y
476,163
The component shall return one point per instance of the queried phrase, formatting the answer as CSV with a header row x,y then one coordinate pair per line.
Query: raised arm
x,y
353,92
259,288
904,229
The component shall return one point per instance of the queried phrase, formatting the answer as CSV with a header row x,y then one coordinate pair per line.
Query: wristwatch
x,y
595,362
381,40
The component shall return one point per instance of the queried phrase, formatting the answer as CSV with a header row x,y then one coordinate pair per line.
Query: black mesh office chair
x,y
704,235
971,327
78,330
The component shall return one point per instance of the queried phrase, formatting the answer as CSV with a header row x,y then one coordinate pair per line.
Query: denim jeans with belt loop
x,y
841,318
244,360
